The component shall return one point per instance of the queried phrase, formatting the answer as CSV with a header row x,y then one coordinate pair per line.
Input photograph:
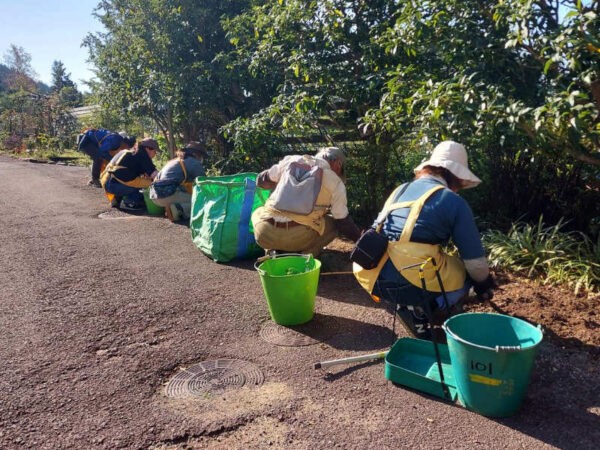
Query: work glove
x,y
485,289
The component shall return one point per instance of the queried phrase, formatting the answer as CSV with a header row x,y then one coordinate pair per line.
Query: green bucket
x,y
492,356
152,208
290,286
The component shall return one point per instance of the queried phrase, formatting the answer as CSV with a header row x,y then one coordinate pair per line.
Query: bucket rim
x,y
497,348
282,256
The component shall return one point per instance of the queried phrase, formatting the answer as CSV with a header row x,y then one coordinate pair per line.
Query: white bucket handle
x,y
497,348
273,255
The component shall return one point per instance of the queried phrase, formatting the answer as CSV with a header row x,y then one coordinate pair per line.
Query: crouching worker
x,y
308,206
128,172
417,219
101,145
172,187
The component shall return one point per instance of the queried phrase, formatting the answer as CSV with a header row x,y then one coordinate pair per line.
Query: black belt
x,y
289,224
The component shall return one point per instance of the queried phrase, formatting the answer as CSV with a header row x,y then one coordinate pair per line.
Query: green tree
x,y
326,70
512,83
21,73
20,115
64,87
157,59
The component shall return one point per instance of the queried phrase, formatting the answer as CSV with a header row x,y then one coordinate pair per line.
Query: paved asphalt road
x,y
97,317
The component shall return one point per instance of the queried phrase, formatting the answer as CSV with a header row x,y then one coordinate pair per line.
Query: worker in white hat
x,y
419,218
308,206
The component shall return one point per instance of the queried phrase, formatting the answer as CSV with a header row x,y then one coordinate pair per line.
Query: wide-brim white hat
x,y
452,156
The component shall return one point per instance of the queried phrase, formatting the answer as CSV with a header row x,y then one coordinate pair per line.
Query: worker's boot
x,y
175,213
415,322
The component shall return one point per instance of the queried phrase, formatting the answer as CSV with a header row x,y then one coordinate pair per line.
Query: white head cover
x,y
452,156
331,154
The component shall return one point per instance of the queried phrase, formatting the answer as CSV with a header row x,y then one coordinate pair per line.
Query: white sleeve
x,y
477,268
339,202
274,173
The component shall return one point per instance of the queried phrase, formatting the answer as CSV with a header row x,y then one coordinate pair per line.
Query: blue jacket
x,y
106,141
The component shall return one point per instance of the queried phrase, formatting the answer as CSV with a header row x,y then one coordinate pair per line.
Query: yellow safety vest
x,y
413,259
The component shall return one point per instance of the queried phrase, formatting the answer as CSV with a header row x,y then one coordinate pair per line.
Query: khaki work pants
x,y
182,198
297,239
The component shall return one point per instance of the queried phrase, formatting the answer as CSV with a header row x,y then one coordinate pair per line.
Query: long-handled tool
x,y
351,359
430,315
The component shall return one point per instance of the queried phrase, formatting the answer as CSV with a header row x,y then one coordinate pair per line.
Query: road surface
x,y
99,316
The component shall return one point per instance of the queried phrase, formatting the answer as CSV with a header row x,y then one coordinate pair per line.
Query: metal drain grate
x,y
310,333
213,377
115,213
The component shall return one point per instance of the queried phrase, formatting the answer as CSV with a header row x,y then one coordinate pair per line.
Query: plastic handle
x,y
497,348
308,257
258,269
508,348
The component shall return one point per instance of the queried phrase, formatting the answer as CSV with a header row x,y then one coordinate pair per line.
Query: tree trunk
x,y
165,123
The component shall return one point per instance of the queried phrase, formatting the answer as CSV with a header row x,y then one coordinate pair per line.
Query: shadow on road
x,y
346,334
344,288
563,398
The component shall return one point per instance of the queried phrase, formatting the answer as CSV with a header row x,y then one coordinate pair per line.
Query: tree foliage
x,y
157,58
21,74
327,71
511,82
394,78
31,115
516,81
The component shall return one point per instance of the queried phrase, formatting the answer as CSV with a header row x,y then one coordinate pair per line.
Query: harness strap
x,y
112,167
101,140
182,165
187,185
387,207
116,165
415,210
94,131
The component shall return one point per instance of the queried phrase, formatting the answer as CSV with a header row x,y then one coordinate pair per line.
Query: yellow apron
x,y
415,260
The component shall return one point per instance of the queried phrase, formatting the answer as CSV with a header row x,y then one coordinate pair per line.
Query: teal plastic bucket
x,y
290,286
492,356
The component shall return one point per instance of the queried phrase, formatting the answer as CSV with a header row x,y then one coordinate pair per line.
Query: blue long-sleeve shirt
x,y
445,215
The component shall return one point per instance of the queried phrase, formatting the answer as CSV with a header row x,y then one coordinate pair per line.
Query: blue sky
x,y
50,30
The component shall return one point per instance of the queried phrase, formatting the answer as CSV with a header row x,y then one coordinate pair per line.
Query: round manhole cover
x,y
115,213
213,377
310,333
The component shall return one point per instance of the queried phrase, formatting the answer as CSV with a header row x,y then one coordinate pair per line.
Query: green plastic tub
x,y
152,208
290,286
492,357
412,363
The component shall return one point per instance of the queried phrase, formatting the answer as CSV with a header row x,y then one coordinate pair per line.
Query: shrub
x,y
547,253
